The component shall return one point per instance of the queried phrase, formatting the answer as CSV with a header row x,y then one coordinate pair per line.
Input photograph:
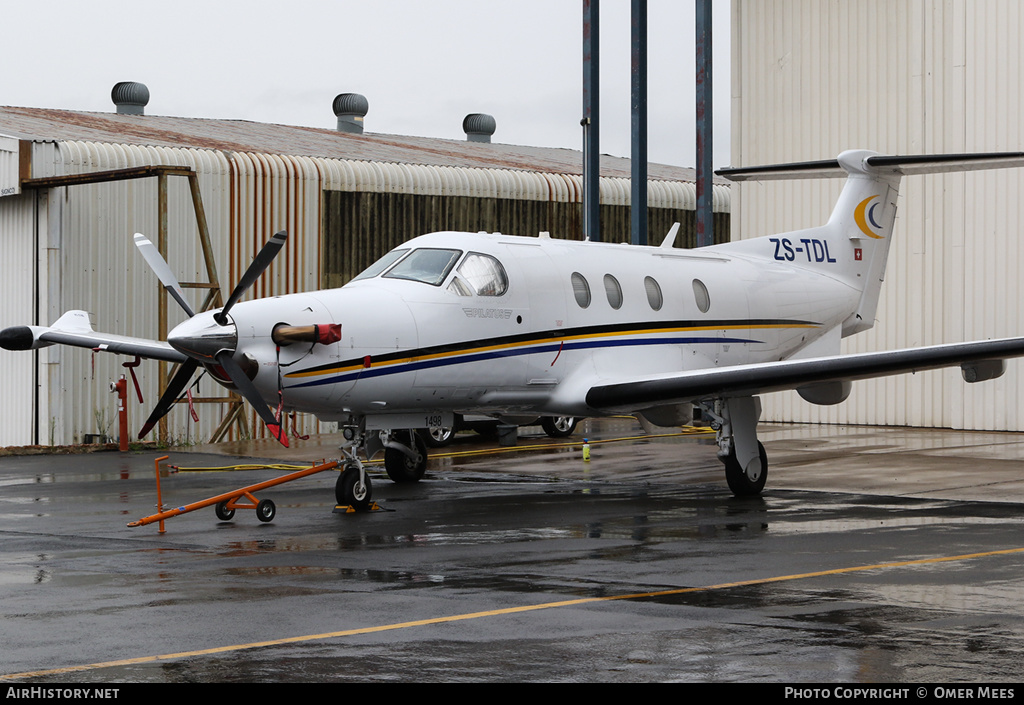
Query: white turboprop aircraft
x,y
516,327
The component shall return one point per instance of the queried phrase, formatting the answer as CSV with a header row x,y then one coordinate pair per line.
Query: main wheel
x,y
223,513
401,468
437,436
348,490
559,426
266,510
739,483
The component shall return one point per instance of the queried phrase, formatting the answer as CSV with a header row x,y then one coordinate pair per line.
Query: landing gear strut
x,y
745,460
739,481
405,460
353,487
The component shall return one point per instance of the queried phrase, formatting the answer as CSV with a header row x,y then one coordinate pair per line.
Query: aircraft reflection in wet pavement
x,y
519,327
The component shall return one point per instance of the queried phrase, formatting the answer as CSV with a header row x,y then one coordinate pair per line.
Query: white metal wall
x,y
17,307
94,267
813,78
9,167
90,263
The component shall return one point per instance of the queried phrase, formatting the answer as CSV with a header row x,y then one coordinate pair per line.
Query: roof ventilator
x,y
478,127
130,97
351,108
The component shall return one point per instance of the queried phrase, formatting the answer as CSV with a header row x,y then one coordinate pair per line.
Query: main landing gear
x,y
745,460
405,457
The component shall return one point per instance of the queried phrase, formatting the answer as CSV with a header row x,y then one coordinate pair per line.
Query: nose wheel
x,y
352,490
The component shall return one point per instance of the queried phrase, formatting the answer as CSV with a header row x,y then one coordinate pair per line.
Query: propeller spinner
x,y
210,338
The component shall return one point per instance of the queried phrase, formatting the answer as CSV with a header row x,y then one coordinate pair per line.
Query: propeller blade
x,y
259,263
163,272
249,392
178,382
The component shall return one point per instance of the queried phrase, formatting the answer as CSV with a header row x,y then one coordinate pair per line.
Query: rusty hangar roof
x,y
44,124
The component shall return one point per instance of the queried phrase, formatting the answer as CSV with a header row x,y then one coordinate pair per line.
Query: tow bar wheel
x,y
266,510
223,513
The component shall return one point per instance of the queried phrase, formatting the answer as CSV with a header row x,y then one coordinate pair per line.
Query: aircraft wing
x,y
74,328
976,359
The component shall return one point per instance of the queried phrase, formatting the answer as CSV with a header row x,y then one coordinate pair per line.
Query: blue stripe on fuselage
x,y
457,359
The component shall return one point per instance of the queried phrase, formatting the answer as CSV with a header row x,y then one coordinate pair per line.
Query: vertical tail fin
x,y
860,231
854,244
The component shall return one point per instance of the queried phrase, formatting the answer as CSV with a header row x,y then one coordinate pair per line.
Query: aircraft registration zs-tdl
x,y
515,327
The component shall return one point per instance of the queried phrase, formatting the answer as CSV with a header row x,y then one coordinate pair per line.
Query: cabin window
x,y
700,295
613,290
580,289
484,275
427,264
380,265
654,297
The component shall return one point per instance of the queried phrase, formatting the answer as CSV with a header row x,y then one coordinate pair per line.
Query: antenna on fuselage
x,y
670,237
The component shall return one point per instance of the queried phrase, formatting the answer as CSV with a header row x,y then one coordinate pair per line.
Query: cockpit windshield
x,y
380,265
427,264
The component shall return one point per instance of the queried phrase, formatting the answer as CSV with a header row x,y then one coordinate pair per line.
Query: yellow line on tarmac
x,y
568,444
500,612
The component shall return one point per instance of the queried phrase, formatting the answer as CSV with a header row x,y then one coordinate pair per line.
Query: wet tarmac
x,y
875,555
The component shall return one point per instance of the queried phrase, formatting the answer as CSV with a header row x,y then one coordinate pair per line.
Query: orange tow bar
x,y
228,502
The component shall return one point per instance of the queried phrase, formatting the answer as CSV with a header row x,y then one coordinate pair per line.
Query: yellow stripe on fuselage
x,y
538,341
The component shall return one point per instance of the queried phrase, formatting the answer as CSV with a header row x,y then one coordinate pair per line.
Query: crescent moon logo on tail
x,y
865,217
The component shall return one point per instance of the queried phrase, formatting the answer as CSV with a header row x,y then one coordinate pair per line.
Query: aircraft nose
x,y
202,338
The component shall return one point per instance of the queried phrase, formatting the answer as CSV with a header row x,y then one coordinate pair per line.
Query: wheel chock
x,y
349,509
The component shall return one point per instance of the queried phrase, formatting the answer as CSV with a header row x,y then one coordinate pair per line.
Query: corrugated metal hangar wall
x,y
71,248
811,79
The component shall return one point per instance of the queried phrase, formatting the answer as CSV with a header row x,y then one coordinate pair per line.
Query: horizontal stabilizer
x,y
908,164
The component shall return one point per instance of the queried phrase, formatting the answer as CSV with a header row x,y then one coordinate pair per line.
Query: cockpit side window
x,y
459,287
483,274
427,264
380,265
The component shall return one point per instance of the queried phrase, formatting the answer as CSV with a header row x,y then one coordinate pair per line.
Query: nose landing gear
x,y
354,488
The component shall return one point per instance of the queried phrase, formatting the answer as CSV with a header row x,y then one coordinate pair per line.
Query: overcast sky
x,y
423,65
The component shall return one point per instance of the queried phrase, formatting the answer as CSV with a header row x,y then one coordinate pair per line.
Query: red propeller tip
x,y
277,432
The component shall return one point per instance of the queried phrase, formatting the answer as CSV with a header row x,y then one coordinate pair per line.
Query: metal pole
x,y
591,113
705,175
161,295
638,105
